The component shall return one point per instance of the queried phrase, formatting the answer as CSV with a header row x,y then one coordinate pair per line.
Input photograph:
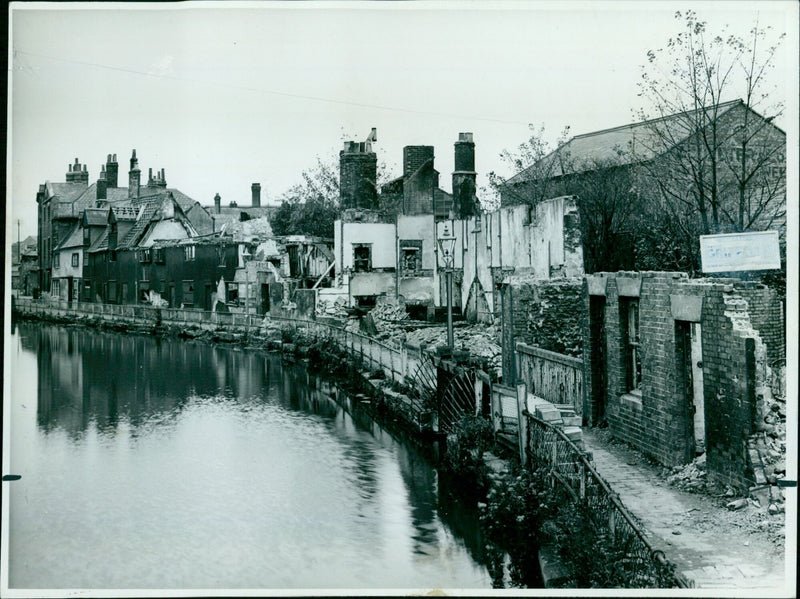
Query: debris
x,y
737,504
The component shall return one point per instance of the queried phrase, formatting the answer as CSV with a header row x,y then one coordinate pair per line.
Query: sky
x,y
224,95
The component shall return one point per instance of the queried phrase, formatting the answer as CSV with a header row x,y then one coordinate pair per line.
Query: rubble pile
x,y
387,313
690,477
767,447
335,308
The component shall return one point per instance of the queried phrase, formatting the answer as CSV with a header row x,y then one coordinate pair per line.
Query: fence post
x,y
522,426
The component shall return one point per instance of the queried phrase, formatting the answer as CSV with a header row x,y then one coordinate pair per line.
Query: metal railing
x,y
548,447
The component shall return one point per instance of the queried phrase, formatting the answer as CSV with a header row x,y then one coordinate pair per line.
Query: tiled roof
x,y
146,215
101,243
73,240
65,192
624,145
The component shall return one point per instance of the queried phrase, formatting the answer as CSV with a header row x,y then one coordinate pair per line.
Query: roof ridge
x,y
647,121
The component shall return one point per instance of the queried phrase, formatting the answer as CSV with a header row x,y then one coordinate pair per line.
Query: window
x,y
87,291
112,256
145,256
410,257
144,291
188,291
87,237
158,255
232,293
56,287
188,252
55,260
362,257
76,261
629,309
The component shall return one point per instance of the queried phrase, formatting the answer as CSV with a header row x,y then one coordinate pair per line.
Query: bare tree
x,y
536,164
719,160
606,191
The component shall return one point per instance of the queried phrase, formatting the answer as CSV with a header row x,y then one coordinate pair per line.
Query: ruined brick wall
x,y
650,421
658,418
767,316
545,313
729,354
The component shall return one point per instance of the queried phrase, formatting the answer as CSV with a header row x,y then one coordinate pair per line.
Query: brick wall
x,y
358,174
767,315
658,419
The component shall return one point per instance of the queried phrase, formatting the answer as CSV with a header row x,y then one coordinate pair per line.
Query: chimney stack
x,y
465,202
77,173
158,181
419,180
112,171
217,204
358,167
134,177
102,194
255,188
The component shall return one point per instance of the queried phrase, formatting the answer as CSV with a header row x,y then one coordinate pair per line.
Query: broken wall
x,y
657,418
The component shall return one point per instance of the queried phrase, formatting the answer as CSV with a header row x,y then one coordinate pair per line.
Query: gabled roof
x,y
101,243
64,192
73,240
151,211
624,145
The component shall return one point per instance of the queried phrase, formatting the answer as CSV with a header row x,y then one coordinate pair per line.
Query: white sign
x,y
740,251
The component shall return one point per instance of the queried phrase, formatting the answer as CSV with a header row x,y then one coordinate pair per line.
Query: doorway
x,y
689,345
597,335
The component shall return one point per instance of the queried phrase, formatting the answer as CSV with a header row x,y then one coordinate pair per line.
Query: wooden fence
x,y
551,376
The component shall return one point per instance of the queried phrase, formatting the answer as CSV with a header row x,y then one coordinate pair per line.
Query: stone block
x,y
574,433
572,420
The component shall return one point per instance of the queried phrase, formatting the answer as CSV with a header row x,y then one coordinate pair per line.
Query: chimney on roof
x,y
102,184
112,171
465,202
255,189
158,180
217,204
358,166
77,173
134,178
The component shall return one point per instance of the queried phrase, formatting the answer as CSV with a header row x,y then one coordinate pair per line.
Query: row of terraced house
x,y
149,243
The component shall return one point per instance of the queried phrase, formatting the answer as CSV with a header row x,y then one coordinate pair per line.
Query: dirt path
x,y
709,544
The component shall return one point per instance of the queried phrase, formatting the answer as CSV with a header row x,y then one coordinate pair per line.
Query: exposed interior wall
x,y
541,312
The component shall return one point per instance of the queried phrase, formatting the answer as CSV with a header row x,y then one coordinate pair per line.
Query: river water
x,y
150,463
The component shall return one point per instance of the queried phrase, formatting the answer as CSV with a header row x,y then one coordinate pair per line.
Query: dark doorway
x,y
70,288
597,335
263,306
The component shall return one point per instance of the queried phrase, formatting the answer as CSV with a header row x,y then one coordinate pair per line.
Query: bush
x,y
471,437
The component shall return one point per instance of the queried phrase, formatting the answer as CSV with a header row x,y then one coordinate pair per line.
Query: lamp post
x,y
447,245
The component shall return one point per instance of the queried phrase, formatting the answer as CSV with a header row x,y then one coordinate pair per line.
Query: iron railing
x,y
548,447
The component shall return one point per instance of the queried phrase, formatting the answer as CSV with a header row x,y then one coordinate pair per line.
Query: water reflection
x,y
248,473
